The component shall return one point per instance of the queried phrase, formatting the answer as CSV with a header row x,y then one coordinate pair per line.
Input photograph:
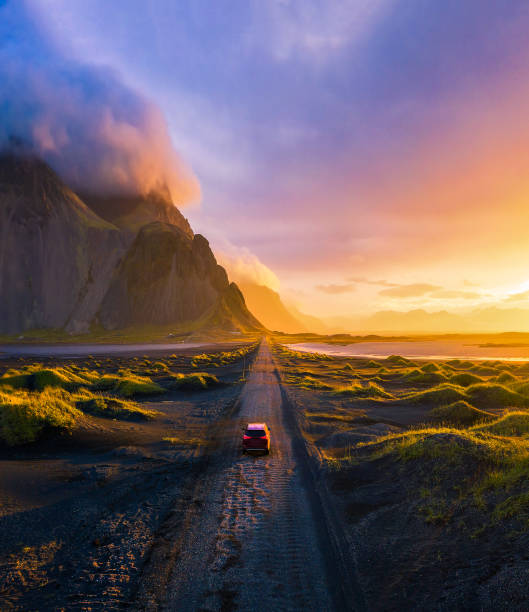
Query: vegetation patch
x,y
126,384
494,395
514,423
197,381
465,379
417,376
370,391
398,360
113,408
223,358
430,367
460,414
25,417
440,395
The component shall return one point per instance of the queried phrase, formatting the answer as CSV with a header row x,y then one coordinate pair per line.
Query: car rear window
x,y
255,433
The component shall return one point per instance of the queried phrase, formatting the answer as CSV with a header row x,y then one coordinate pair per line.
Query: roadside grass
x,y
483,467
182,441
222,358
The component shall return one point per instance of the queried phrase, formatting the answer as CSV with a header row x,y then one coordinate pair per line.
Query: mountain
x,y
56,255
130,213
120,262
491,319
267,306
311,323
162,265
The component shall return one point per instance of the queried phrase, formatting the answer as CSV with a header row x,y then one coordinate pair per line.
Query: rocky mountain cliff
x,y
120,262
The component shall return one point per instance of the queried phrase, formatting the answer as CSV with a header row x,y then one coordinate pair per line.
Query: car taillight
x,y
247,437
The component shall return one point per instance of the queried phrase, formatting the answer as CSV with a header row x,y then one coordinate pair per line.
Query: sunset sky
x,y
357,155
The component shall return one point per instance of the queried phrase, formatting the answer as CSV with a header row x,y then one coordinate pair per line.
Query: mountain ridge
x,y
63,266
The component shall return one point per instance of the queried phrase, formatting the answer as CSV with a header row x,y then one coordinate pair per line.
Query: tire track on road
x,y
257,544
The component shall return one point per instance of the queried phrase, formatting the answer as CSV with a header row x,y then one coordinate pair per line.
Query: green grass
x,y
430,367
506,378
127,385
514,423
440,395
485,466
398,360
113,408
197,381
465,379
25,417
307,381
37,378
459,413
182,441
222,358
369,391
417,376
494,395
285,352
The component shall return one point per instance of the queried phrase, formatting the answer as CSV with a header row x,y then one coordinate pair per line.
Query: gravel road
x,y
255,539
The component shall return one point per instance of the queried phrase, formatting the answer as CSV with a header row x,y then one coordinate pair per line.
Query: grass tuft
x,y
197,381
460,414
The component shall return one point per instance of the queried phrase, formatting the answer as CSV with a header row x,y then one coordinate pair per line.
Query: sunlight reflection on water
x,y
418,350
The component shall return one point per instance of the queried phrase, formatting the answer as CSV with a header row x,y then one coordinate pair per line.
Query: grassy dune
x,y
37,399
471,455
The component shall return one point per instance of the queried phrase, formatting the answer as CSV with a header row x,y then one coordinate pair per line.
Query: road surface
x,y
257,541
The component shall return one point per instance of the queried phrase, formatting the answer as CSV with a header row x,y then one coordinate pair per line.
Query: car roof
x,y
256,425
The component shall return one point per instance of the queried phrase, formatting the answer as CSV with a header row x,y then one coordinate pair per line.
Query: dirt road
x,y
259,539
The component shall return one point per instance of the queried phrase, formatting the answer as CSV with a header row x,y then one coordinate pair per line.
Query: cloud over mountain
x,y
96,132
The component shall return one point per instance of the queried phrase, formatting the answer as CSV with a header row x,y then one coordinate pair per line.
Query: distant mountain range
x,y
268,307
70,263
491,319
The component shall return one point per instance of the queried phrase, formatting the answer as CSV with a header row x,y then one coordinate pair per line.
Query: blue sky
x,y
324,134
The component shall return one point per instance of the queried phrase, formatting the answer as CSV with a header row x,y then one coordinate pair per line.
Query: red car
x,y
256,438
